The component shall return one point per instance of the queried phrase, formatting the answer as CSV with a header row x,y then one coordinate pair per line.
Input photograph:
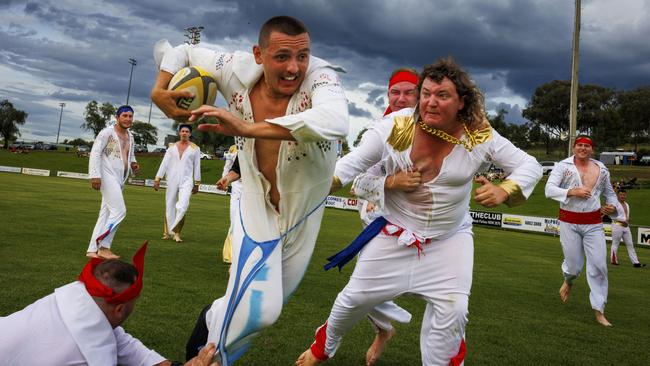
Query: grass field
x,y
516,317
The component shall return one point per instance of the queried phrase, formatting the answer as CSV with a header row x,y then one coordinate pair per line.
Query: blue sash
x,y
344,256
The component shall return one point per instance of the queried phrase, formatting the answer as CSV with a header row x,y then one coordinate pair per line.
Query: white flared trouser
x,y
261,303
578,241
441,275
177,200
111,213
622,233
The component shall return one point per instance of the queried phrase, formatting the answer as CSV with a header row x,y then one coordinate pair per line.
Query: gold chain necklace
x,y
447,137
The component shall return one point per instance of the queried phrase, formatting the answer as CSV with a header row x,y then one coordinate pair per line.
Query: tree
x,y
78,142
634,109
550,103
97,116
207,141
144,133
359,136
549,107
10,118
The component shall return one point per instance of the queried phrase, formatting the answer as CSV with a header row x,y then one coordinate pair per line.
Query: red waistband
x,y
582,218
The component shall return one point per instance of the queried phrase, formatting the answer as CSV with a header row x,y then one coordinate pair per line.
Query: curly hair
x,y
473,113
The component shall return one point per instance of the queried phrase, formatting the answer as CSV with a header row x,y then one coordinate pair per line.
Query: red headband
x,y
584,140
399,77
403,76
98,289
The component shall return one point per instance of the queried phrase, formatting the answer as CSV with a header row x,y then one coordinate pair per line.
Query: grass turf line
x,y
516,317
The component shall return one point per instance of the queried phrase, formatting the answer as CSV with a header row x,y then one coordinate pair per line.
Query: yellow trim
x,y
515,194
401,137
479,136
336,184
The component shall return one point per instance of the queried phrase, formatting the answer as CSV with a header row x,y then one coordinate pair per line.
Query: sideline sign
x,y
486,218
72,175
643,236
10,169
40,172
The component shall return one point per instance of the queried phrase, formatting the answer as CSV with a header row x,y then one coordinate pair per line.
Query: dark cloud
x,y
358,112
513,112
80,50
376,97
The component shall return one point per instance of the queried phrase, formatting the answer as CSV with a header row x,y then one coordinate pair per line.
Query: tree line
x,y
612,118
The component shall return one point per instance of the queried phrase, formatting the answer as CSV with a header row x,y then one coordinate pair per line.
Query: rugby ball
x,y
199,82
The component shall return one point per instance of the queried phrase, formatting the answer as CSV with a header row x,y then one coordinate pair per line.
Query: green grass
x,y
516,317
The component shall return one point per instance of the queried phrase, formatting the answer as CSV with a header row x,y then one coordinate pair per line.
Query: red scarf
x,y
98,289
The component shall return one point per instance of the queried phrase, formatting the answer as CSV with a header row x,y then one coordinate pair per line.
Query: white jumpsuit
x,y
235,194
68,328
266,272
183,173
427,248
579,240
621,231
106,163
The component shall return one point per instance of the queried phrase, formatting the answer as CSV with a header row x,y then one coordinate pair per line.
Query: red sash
x,y
581,218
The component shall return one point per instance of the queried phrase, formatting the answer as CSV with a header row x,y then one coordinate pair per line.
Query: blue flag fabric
x,y
344,256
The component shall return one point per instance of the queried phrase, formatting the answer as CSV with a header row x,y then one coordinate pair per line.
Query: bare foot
x,y
92,255
165,237
600,318
378,345
106,253
565,291
307,359
177,238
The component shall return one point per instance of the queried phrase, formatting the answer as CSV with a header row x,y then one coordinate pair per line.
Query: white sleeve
x,y
131,352
371,188
327,119
608,190
162,170
366,155
197,166
519,167
553,189
95,161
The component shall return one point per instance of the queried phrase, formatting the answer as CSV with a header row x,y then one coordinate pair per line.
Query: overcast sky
x,y
75,51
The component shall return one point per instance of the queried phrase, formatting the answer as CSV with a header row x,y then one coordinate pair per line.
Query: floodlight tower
x,y
193,34
573,109
60,117
133,62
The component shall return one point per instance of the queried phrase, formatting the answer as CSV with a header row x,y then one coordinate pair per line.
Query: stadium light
x,y
193,34
133,62
60,116
573,109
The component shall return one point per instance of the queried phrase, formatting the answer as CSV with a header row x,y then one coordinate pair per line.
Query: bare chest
x,y
589,175
181,149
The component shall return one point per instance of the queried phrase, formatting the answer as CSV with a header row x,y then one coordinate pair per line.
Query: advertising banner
x,y
40,172
486,218
643,236
10,169
72,175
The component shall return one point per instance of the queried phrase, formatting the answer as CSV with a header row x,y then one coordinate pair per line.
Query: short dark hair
x,y
283,24
116,274
473,113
